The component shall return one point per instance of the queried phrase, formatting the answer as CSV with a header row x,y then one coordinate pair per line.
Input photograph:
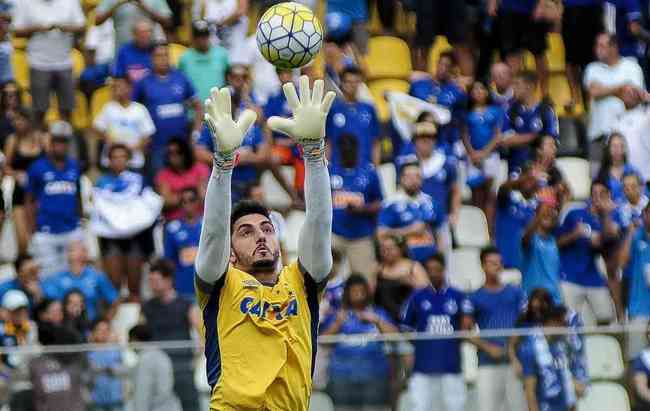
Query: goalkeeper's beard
x,y
263,266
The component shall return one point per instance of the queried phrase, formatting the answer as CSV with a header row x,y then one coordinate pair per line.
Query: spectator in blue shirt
x,y
583,233
630,33
516,205
548,382
635,255
411,214
481,138
641,378
496,306
631,209
356,198
106,369
541,256
123,256
358,372
351,116
439,172
26,280
53,201
614,166
437,382
181,242
94,285
527,120
167,94
357,12
443,90
133,60
94,74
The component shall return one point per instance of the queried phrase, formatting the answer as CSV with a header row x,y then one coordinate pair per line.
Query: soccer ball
x,y
289,35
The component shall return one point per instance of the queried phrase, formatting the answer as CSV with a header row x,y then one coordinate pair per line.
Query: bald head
x,y
501,76
142,33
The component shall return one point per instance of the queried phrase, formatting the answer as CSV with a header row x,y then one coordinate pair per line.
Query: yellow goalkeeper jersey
x,y
260,341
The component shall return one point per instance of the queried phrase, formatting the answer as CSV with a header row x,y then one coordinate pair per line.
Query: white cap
x,y
14,299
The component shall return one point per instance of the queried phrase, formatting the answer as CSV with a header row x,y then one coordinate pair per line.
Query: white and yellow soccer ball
x,y
289,35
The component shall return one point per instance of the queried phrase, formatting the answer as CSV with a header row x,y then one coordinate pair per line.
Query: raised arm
x,y
214,246
307,128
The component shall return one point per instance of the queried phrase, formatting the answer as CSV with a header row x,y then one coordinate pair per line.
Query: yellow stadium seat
x,y
80,118
21,68
560,93
175,52
439,46
78,62
555,55
98,100
52,114
388,57
379,87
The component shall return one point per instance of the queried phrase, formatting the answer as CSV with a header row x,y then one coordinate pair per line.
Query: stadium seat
x,y
378,88
465,271
472,228
561,95
469,355
511,276
80,118
555,54
604,357
175,53
440,45
605,396
295,220
388,179
388,57
21,68
576,172
320,402
127,316
98,100
274,195
78,62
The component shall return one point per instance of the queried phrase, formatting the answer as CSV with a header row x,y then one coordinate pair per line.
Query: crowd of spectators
x,y
133,181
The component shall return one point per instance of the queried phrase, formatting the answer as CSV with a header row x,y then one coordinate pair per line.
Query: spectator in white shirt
x,y
633,124
124,121
604,80
50,26
229,19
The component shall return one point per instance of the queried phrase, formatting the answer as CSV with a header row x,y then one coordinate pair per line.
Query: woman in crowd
x,y
397,276
75,316
24,146
181,172
615,165
10,101
358,373
481,139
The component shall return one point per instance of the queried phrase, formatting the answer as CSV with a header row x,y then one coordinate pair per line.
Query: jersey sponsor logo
x,y
266,310
170,110
440,325
60,187
343,199
188,255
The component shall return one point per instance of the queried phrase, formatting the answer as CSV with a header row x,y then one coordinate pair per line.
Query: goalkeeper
x,y
260,319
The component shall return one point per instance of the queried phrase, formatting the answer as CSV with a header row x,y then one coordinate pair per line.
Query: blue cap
x,y
338,25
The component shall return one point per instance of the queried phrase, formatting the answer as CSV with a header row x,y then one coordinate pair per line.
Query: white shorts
x,y
598,298
437,392
49,250
489,168
499,389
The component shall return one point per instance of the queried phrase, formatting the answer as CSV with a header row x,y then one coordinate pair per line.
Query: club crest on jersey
x,y
250,284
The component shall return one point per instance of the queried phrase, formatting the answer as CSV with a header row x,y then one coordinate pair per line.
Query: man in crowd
x,y
541,257
26,280
50,27
437,382
182,241
53,201
516,205
604,79
580,237
443,90
204,64
167,94
502,93
133,59
100,296
630,211
351,116
356,197
411,214
633,124
496,306
528,119
125,13
172,318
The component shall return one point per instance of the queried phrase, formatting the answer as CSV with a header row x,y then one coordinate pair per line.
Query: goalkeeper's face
x,y
254,244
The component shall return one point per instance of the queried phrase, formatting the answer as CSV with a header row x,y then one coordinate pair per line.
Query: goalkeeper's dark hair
x,y
247,207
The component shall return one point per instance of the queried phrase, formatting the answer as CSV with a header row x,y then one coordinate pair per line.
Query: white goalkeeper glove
x,y
307,126
226,133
